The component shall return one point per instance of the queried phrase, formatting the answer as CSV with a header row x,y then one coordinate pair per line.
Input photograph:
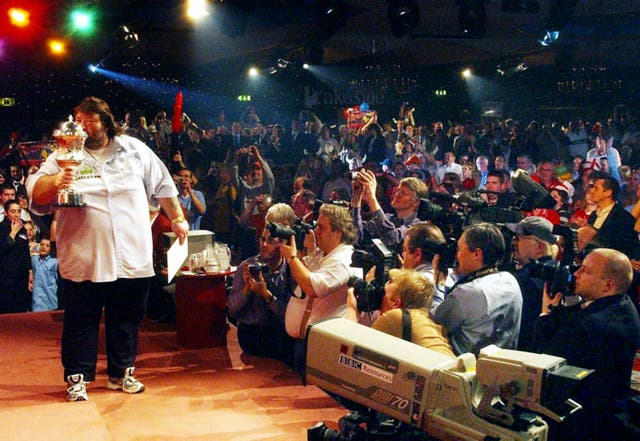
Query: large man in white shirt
x,y
449,166
105,248
323,275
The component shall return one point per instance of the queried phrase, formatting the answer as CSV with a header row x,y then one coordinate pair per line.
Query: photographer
x,y
602,333
410,291
533,245
258,181
259,295
497,189
484,306
322,277
420,253
390,228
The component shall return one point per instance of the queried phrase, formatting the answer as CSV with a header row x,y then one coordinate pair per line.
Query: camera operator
x,y
322,277
259,295
497,189
411,291
419,252
533,245
484,306
390,228
602,333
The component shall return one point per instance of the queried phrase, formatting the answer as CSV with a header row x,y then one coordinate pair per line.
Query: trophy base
x,y
70,205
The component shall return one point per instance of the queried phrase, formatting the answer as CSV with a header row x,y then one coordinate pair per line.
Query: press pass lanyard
x,y
473,276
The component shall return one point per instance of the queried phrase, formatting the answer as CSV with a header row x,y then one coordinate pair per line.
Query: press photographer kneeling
x,y
601,333
260,293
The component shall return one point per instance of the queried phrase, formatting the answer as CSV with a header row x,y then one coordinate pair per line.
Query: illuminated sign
x,y
7,102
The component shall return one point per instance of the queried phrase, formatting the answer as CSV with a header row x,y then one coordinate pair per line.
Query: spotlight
x,y
126,37
472,16
253,72
331,15
305,66
56,47
560,12
466,73
403,16
197,9
283,63
93,68
549,38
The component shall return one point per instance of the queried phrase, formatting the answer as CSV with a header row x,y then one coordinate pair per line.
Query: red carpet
x,y
192,395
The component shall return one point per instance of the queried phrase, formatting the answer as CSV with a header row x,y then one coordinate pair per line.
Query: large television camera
x,y
451,213
369,294
500,395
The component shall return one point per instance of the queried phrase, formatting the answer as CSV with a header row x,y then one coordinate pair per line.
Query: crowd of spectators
x,y
236,177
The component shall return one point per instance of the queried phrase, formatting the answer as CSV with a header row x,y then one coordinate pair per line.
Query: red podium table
x,y
200,310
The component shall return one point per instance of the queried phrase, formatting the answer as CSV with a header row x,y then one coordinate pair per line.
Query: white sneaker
x,y
77,390
127,384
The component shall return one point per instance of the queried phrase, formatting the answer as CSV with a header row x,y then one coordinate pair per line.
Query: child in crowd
x,y
45,278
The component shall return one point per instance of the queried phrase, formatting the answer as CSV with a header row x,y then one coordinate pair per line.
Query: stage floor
x,y
206,394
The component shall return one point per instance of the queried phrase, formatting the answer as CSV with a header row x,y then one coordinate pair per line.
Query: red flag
x,y
176,122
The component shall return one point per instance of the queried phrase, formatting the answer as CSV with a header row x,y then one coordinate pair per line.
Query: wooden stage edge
x,y
192,394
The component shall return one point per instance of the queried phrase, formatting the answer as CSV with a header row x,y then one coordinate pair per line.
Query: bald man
x,y
602,333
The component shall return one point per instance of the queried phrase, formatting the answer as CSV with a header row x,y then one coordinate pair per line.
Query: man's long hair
x,y
91,104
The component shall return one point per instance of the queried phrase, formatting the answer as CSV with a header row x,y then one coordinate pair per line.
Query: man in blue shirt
x,y
192,200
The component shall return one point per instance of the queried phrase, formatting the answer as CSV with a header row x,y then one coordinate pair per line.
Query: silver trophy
x,y
70,153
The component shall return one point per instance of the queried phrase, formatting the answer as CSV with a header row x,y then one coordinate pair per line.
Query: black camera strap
x,y
406,325
473,276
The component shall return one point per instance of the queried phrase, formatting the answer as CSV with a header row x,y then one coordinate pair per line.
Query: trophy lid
x,y
70,128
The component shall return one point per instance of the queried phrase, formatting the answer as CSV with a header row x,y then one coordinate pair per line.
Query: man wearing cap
x,y
533,243
390,228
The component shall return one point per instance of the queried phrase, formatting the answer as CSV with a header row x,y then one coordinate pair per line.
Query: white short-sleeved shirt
x,y
110,237
329,277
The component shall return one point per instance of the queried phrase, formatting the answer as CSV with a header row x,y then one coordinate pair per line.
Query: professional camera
x,y
559,274
560,277
299,230
256,268
446,250
356,426
369,295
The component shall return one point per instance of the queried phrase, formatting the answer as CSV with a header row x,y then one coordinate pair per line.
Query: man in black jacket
x,y
601,333
15,262
615,225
